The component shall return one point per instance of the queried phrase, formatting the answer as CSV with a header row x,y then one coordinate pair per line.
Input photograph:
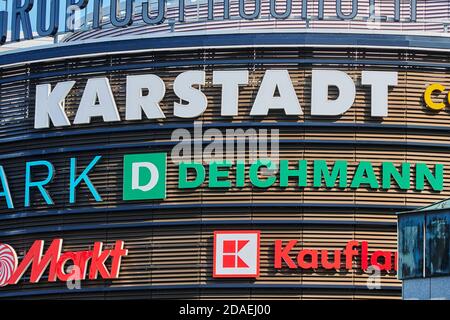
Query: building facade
x,y
378,163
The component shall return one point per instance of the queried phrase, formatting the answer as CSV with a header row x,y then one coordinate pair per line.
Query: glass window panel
x,y
438,244
410,247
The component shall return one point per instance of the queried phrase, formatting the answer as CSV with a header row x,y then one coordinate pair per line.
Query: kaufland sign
x,y
88,264
237,255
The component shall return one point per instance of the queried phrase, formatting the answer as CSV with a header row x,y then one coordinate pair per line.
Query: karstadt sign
x,y
276,92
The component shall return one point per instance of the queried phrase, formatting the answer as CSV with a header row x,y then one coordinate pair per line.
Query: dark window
x,y
438,244
411,247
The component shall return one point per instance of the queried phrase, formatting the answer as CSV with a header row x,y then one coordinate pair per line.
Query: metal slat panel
x,y
431,16
170,241
182,256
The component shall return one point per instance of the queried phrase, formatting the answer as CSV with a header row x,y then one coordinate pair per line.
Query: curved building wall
x,y
170,241
432,16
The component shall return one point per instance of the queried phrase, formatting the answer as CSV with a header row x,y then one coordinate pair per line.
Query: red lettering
x,y
364,255
350,252
117,253
386,264
34,257
314,264
336,262
62,275
329,260
79,259
56,263
84,259
283,254
98,262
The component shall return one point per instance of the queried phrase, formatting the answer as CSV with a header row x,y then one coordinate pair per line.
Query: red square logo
x,y
236,254
229,246
229,261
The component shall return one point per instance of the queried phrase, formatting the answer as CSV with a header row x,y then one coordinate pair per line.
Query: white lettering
x,y
230,82
197,102
286,100
379,82
136,101
322,80
135,181
97,101
50,105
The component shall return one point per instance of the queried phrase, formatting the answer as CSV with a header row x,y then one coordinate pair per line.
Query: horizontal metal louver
x,y
170,242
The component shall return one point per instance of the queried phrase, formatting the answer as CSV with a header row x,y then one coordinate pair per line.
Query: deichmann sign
x,y
144,176
48,14
323,175
87,264
236,255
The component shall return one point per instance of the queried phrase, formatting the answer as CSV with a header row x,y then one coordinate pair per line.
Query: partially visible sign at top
x,y
48,20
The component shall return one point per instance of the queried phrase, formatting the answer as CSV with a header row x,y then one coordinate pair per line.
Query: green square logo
x,y
144,176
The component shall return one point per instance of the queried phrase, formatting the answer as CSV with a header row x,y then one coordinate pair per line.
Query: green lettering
x,y
240,174
321,170
254,174
215,174
286,173
183,182
389,171
436,181
364,175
